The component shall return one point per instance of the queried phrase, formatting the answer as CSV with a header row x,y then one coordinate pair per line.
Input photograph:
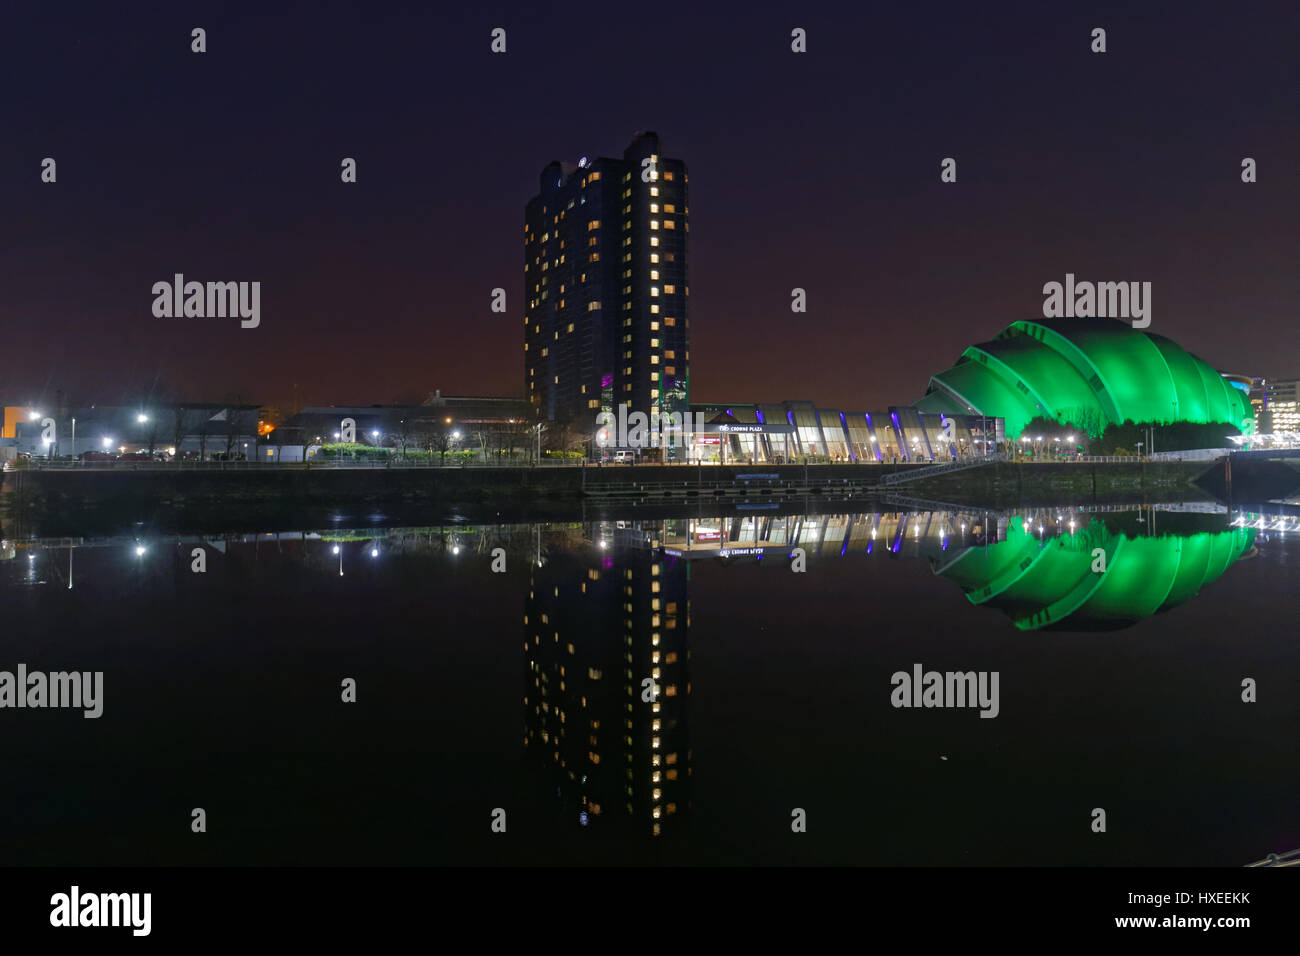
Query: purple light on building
x,y
875,445
898,431
847,444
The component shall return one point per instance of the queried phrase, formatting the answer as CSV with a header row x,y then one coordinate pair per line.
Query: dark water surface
x,y
523,690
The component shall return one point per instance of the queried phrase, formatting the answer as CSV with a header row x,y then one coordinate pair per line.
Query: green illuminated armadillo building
x,y
1087,373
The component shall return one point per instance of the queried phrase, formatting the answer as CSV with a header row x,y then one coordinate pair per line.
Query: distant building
x,y
191,429
1282,402
490,424
606,287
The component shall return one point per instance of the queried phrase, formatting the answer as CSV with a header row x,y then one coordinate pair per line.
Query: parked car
x,y
96,456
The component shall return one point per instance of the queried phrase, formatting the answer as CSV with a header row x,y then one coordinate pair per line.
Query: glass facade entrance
x,y
796,432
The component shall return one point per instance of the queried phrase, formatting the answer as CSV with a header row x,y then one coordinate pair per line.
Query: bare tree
x,y
180,426
205,420
401,436
432,436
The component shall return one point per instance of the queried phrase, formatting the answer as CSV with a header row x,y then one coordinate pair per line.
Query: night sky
x,y
818,170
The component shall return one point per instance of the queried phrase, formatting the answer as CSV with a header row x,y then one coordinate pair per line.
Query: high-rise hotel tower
x,y
605,280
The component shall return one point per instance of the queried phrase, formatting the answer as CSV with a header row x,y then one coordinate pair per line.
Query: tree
x,y
180,427
433,436
563,435
236,417
401,436
204,421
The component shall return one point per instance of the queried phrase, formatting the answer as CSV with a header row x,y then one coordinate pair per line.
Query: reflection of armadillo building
x,y
1092,578
598,623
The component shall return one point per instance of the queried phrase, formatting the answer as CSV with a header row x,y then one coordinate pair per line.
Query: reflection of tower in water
x,y
607,681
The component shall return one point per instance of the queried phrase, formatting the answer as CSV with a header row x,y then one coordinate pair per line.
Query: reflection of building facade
x,y
902,533
598,622
1048,578
778,432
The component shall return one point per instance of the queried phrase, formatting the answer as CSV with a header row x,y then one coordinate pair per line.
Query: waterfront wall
x,y
68,499
1005,484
